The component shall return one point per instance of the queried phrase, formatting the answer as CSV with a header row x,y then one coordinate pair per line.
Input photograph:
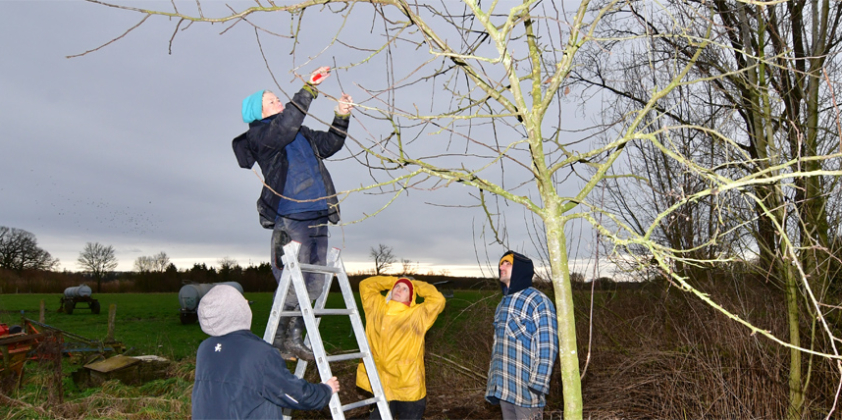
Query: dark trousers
x,y
310,230
516,412
403,410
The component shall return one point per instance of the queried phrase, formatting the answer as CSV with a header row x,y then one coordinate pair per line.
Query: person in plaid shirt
x,y
525,343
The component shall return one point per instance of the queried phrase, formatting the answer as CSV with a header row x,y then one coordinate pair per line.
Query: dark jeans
x,y
310,230
403,410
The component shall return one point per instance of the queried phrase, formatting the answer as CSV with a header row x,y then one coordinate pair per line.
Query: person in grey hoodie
x,y
240,376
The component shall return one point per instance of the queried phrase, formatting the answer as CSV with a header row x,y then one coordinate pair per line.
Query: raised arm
x,y
433,301
331,141
370,289
284,127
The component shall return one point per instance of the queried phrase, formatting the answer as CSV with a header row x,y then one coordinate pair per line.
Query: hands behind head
x,y
319,75
333,383
345,105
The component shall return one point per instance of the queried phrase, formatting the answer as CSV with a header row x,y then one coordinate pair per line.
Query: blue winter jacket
x,y
266,141
240,376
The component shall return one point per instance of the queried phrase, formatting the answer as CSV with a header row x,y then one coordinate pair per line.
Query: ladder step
x,y
345,356
292,278
323,269
319,312
362,403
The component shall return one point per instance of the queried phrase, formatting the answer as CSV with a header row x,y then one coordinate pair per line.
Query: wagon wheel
x,y
68,306
95,307
188,318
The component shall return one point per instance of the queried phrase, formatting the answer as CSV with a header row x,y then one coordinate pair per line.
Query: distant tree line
x,y
26,268
254,278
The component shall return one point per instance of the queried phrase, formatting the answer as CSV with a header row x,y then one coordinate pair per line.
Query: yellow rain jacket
x,y
395,333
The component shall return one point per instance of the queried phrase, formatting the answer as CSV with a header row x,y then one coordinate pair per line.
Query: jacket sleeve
x,y
433,302
370,289
544,346
283,129
284,389
327,143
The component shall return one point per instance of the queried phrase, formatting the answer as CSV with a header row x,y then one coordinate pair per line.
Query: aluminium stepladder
x,y
292,274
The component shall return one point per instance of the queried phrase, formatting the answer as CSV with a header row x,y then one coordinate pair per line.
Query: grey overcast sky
x,y
130,146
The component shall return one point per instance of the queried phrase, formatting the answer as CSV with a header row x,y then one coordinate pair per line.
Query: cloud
x,y
130,146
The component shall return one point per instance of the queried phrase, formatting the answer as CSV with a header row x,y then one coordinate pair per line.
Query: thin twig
x,y
112,41
468,371
835,105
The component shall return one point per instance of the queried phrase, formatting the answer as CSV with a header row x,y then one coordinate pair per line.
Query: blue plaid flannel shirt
x,y
525,348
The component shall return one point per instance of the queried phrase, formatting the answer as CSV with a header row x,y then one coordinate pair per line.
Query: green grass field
x,y
149,323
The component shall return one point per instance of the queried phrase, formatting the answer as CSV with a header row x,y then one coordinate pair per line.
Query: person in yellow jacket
x,y
395,328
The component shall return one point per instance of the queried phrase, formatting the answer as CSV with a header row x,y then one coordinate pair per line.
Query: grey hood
x,y
224,310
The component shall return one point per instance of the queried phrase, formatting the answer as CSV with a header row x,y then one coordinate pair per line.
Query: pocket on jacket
x,y
409,378
515,327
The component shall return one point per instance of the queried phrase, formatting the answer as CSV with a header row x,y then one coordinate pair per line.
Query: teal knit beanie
x,y
253,107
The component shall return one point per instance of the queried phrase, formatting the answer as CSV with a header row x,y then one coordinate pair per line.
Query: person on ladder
x,y
395,326
298,198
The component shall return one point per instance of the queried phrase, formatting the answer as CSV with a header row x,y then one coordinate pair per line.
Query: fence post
x,y
112,321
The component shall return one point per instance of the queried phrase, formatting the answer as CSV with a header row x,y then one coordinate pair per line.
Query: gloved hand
x,y
319,75
345,105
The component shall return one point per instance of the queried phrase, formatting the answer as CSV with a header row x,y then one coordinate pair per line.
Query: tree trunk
x,y
796,390
568,355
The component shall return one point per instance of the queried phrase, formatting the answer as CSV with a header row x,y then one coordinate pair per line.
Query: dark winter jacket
x,y
240,376
265,143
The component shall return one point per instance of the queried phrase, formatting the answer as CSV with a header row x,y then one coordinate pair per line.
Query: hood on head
x,y
522,272
411,290
223,310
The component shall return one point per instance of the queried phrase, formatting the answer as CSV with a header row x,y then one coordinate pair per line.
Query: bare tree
x,y
143,264
157,263
408,268
19,251
226,263
383,258
98,260
769,95
160,262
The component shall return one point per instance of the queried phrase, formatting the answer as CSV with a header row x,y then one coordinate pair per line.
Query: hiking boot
x,y
294,342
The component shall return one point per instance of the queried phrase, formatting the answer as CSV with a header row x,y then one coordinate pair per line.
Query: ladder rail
x,y
362,345
277,306
292,265
293,274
